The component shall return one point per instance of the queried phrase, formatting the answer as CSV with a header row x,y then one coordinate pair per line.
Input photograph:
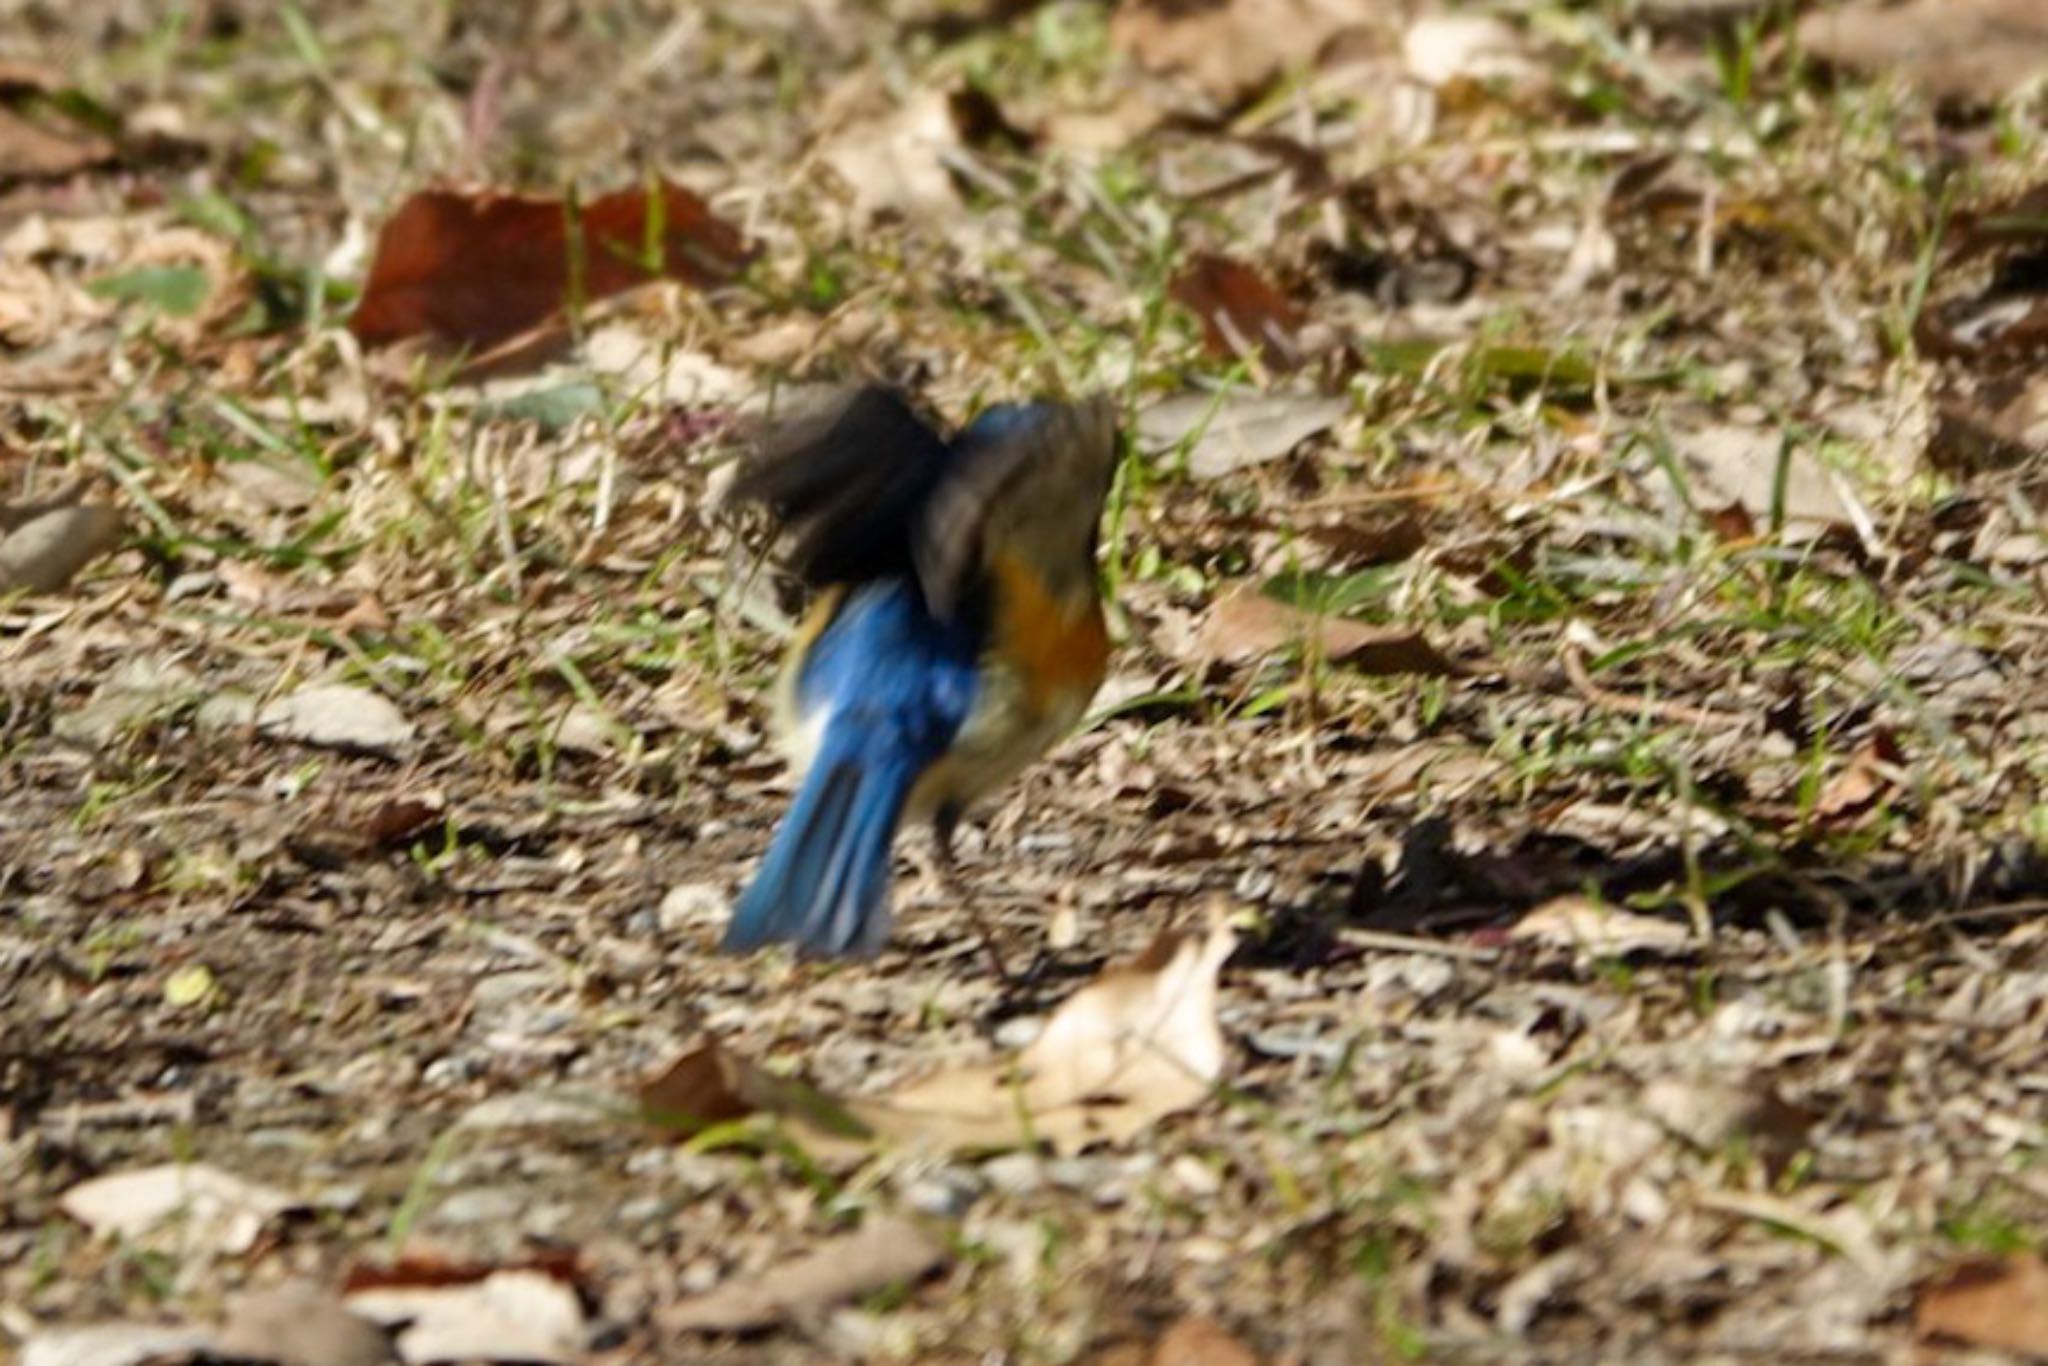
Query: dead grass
x,y
1733,649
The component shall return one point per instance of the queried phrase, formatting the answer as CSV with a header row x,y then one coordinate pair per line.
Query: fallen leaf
x,y
300,1324
29,151
1989,1304
1970,52
474,270
1236,431
1244,624
509,1315
337,716
43,552
712,1085
114,1344
1733,465
896,163
400,820
1134,1046
1232,49
884,1253
1438,49
1586,926
1871,773
217,1211
1199,1340
1242,313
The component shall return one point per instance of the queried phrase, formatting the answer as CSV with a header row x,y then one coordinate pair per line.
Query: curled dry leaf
x,y
1243,314
215,1210
2002,1303
896,163
1234,431
474,270
1586,926
1963,51
115,1344
1139,1043
1136,1045
886,1252
1244,624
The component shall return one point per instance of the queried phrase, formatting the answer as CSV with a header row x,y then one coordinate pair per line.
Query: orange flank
x,y
1057,648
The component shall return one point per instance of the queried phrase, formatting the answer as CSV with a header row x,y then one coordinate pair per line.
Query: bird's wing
x,y
847,481
1048,442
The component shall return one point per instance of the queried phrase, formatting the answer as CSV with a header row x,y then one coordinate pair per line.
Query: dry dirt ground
x,y
1628,505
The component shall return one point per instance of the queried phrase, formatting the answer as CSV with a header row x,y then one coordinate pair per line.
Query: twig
x,y
1575,670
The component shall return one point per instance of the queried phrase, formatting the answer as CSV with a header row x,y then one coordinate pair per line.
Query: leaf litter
x,y
1685,381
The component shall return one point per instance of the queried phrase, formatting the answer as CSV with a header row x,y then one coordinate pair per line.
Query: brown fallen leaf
x,y
476,269
1232,49
1970,52
1243,314
1136,1045
1871,773
1244,624
885,1252
711,1085
1199,1340
1989,1304
30,151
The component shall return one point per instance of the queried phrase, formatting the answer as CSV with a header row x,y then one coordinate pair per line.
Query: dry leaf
x,y
28,151
1871,773
1590,927
711,1085
337,716
1438,49
474,270
1242,313
300,1324
1989,1304
1199,1340
1231,49
43,552
215,1210
1964,51
114,1344
1134,1046
896,164
886,1252
508,1315
1235,431
1244,624
1732,465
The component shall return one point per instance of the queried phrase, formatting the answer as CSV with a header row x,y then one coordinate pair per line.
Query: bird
x,y
958,632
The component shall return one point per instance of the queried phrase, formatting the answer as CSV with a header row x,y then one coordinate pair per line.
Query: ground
x,y
1610,715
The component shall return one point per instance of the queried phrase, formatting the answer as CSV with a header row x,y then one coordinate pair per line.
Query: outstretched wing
x,y
847,482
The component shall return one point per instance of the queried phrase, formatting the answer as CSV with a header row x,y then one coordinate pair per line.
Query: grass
x,y
497,562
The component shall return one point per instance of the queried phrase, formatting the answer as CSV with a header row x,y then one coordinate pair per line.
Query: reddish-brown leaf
x,y
1989,1304
1871,774
28,151
1242,312
473,270
1199,1340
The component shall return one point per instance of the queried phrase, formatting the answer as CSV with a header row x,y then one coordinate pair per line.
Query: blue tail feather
x,y
824,884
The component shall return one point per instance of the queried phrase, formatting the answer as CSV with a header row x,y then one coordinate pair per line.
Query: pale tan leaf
x,y
44,552
1588,926
885,1252
214,1210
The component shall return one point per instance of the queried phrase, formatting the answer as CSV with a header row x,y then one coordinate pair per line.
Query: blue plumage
x,y
890,686
959,632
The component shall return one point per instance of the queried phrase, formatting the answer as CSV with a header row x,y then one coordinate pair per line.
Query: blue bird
x,y
958,632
